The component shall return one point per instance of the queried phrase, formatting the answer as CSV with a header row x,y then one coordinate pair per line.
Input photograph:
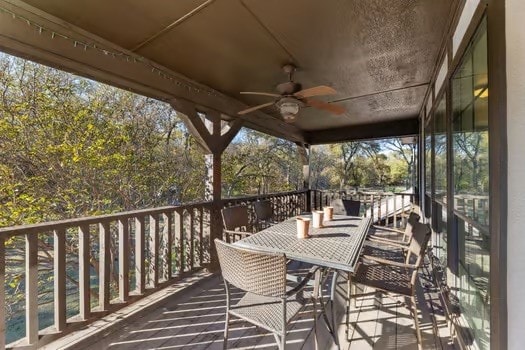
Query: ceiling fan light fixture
x,y
287,108
289,118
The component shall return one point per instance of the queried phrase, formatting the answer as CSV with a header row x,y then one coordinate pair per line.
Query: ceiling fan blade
x,y
255,108
260,93
320,90
329,107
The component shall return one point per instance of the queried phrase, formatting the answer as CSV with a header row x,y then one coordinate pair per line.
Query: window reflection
x,y
471,185
440,179
428,169
440,151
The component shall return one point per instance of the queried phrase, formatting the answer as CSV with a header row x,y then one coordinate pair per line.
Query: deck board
x,y
195,320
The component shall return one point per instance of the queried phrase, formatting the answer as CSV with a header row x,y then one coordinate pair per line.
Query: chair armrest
x,y
387,241
303,282
389,229
240,233
296,278
392,244
388,262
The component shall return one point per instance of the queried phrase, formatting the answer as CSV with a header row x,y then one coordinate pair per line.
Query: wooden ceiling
x,y
378,54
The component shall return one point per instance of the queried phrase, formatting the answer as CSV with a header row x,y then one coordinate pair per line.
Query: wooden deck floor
x,y
194,319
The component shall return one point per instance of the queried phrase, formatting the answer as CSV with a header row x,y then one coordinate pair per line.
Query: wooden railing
x,y
382,207
285,205
82,269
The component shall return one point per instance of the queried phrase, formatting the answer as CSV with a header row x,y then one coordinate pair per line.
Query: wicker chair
x,y
395,277
268,303
346,207
236,223
264,213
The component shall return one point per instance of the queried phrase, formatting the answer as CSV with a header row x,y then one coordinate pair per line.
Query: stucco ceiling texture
x,y
378,54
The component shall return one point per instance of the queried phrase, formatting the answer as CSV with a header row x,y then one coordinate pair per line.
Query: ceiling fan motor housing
x,y
288,88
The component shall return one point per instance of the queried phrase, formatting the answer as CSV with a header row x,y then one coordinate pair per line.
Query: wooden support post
x,y
303,152
214,162
214,135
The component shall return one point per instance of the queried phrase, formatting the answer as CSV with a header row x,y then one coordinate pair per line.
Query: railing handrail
x,y
386,193
88,220
255,197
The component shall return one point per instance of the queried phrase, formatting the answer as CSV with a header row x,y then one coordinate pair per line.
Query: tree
x,y
406,152
257,164
70,147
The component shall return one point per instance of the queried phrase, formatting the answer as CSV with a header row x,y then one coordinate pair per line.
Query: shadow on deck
x,y
193,318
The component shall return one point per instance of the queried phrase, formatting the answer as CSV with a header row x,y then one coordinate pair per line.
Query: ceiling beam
x,y
398,128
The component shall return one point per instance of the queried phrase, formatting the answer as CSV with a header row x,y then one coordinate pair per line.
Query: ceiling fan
x,y
291,98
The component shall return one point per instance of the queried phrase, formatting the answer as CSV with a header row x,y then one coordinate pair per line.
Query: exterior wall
x,y
515,47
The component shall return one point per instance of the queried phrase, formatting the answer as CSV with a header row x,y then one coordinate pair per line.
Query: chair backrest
x,y
412,219
235,217
346,207
418,245
263,210
253,271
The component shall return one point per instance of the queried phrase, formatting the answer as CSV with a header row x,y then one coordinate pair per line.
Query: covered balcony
x,y
309,72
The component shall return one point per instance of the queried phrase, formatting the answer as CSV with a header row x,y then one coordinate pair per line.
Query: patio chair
x,y
401,237
391,249
236,223
268,303
264,214
346,207
399,278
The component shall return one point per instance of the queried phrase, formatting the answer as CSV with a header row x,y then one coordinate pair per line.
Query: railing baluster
x,y
387,199
201,229
168,239
31,285
83,272
123,259
140,259
59,278
372,207
192,236
395,211
154,250
2,292
179,231
104,263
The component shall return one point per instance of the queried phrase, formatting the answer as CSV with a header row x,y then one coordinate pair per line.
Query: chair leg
x,y
353,291
280,340
226,324
314,305
349,295
416,323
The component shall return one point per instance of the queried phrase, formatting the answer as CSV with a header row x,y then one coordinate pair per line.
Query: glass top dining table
x,y
336,245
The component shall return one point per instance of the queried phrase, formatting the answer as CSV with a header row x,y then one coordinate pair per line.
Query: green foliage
x,y
256,163
377,164
70,147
